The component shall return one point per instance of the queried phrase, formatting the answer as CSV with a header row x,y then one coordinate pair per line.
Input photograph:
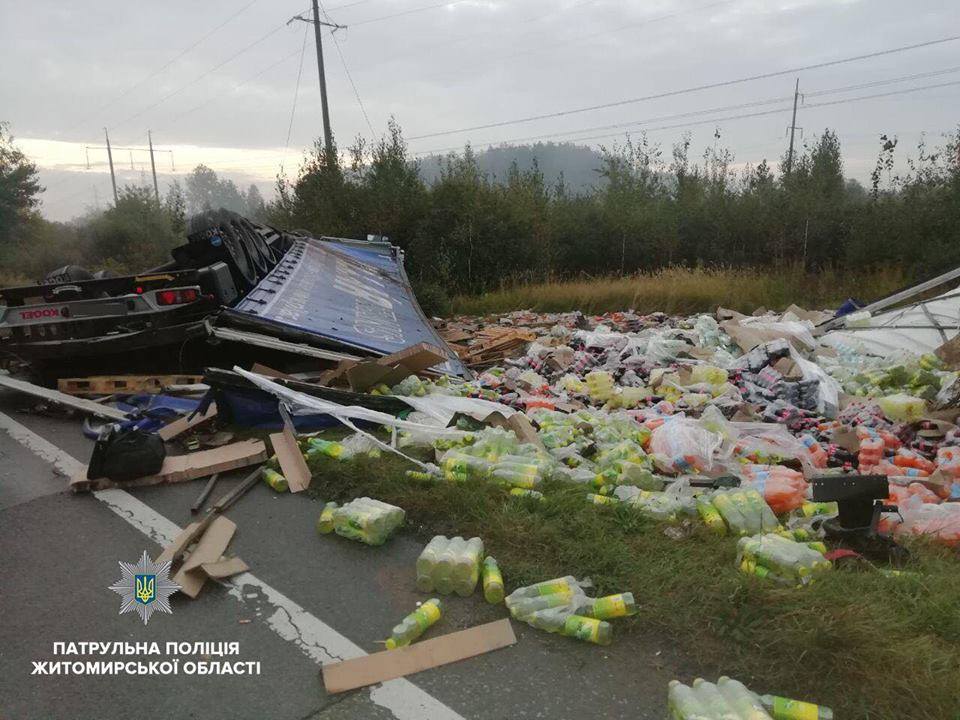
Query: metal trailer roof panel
x,y
345,293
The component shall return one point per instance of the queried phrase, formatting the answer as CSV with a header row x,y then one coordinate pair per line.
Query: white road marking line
x,y
315,639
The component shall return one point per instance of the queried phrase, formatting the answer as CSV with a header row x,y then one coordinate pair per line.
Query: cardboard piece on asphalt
x,y
389,664
292,464
180,468
181,425
209,550
225,568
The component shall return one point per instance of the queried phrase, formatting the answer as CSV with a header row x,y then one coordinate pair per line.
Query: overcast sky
x,y
215,81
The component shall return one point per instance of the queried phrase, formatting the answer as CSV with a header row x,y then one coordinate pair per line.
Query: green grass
x,y
684,290
866,645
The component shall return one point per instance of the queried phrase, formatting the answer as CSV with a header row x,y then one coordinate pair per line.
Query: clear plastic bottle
x,y
415,624
427,563
466,569
443,579
684,704
492,581
741,699
713,701
588,629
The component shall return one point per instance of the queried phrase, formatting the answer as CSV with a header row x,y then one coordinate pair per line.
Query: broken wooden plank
x,y
231,496
181,468
181,425
85,406
111,384
292,464
204,494
389,664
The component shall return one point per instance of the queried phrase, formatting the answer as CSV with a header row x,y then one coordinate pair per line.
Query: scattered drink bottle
x,y
714,701
492,581
414,624
325,521
523,492
785,709
275,480
427,562
711,516
683,702
611,606
744,702
588,629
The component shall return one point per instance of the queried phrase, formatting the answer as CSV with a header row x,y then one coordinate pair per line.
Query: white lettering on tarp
x,y
373,308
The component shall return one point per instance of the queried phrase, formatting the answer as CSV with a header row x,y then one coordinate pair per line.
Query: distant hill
x,y
577,163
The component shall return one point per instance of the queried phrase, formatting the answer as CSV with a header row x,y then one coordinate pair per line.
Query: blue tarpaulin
x,y
353,293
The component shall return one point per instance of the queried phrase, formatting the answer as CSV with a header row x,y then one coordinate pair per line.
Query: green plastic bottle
x,y
786,709
325,521
275,480
588,629
492,581
611,606
415,624
318,446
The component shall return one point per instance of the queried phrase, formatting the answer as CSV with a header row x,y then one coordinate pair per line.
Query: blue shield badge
x,y
146,589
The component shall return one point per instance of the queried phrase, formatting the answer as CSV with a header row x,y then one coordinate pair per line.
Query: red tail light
x,y
177,297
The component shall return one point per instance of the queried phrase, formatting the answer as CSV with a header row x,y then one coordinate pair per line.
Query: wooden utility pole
x,y
113,177
153,167
793,126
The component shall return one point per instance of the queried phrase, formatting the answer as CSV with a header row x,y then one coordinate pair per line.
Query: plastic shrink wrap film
x,y
449,565
366,520
778,558
685,445
744,511
725,700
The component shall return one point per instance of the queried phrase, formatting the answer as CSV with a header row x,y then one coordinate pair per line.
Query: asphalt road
x,y
307,600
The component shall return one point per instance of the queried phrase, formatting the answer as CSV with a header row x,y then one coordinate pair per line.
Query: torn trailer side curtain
x,y
354,294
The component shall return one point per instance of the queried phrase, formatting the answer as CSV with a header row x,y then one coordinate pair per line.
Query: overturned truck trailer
x,y
235,288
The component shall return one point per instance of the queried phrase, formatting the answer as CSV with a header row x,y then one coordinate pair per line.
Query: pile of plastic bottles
x,y
364,519
779,557
729,699
450,565
561,606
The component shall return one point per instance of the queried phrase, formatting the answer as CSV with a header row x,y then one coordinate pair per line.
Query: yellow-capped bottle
x,y
492,581
275,480
711,516
325,521
415,624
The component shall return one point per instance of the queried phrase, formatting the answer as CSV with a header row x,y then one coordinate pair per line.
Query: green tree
x,y
19,187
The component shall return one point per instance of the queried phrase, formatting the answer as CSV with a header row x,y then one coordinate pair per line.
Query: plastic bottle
x,y
610,606
492,581
275,480
548,587
523,492
325,521
427,563
466,568
684,704
785,709
739,697
714,701
730,512
524,608
710,515
588,629
602,499
415,624
818,456
318,446
443,574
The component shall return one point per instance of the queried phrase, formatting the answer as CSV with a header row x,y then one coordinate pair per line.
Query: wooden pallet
x,y
113,384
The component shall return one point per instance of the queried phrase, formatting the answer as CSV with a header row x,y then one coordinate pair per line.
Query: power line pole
x,y
113,177
318,24
793,126
153,166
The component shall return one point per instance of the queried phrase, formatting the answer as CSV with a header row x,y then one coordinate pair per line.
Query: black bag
x,y
126,455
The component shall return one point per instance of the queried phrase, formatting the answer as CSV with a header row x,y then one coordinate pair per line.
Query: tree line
x,y
467,231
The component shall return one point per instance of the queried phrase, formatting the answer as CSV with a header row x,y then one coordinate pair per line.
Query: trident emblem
x,y
146,588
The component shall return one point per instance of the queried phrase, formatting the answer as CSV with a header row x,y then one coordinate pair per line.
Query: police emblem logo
x,y
145,587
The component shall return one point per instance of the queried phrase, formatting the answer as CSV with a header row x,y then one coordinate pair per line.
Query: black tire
x,y
67,274
256,248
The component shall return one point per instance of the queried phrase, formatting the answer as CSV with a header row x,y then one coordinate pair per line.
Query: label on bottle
x,y
786,709
582,628
551,587
426,615
611,606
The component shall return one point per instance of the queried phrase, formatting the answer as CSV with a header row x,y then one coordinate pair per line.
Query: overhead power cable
x,y
402,13
761,113
692,89
296,92
159,70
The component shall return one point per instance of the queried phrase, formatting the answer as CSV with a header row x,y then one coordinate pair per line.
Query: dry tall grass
x,y
685,290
